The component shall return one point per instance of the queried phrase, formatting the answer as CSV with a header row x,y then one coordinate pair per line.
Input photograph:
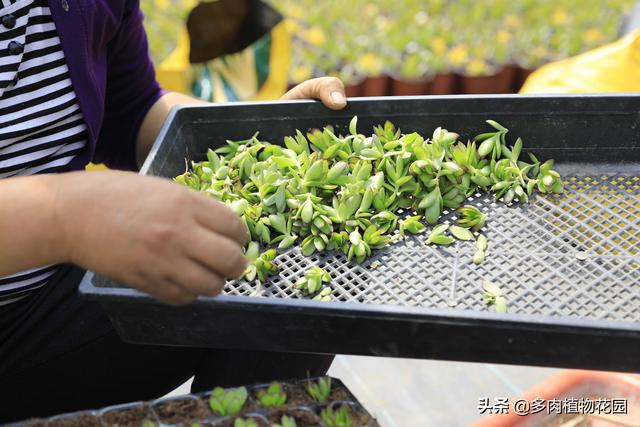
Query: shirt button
x,y
15,48
9,21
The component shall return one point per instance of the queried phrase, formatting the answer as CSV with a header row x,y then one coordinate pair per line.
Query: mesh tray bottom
x,y
575,254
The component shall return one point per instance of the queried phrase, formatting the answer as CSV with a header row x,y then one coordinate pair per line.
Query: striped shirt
x,y
41,126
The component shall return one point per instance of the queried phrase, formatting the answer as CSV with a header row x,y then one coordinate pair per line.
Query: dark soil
x,y
303,417
229,422
181,411
297,395
339,393
130,417
82,420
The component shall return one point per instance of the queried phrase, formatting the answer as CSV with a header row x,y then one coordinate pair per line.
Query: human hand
x,y
329,90
151,234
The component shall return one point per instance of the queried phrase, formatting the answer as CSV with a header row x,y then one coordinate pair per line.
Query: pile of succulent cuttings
x,y
325,192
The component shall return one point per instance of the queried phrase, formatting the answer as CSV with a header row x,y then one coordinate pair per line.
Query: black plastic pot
x,y
375,86
501,82
568,263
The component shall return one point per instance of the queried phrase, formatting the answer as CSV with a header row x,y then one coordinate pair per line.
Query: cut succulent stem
x,y
312,281
493,296
481,243
478,257
461,233
438,237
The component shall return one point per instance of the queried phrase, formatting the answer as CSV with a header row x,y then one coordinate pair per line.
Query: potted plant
x,y
413,69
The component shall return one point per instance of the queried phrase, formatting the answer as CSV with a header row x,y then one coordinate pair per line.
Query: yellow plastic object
x,y
611,68
232,77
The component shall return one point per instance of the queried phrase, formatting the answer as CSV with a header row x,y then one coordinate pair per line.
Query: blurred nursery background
x,y
388,47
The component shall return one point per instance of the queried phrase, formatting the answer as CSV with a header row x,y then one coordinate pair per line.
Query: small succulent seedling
x,y
240,422
412,225
481,247
339,418
312,280
461,233
471,217
493,296
320,390
273,396
286,421
261,265
149,424
196,424
438,237
323,295
228,402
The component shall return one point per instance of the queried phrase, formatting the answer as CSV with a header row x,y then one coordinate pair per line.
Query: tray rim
x,y
175,110
451,316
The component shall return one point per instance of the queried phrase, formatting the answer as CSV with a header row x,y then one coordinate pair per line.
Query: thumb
x,y
329,90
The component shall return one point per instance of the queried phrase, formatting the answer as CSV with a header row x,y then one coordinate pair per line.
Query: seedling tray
x,y
188,409
568,264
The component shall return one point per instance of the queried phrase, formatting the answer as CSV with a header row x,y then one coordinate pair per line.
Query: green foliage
x,y
471,217
261,265
339,418
312,280
286,421
319,390
240,422
325,191
227,402
273,396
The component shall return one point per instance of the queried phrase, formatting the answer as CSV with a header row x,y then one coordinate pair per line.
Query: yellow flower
x,y
458,55
315,35
439,45
371,10
503,37
301,73
593,35
382,22
294,10
477,67
512,21
370,64
163,4
291,26
559,16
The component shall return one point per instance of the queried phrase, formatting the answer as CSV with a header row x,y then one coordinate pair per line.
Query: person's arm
x,y
30,235
327,89
149,233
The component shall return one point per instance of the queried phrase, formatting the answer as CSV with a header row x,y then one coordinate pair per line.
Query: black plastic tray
x,y
569,264
252,409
